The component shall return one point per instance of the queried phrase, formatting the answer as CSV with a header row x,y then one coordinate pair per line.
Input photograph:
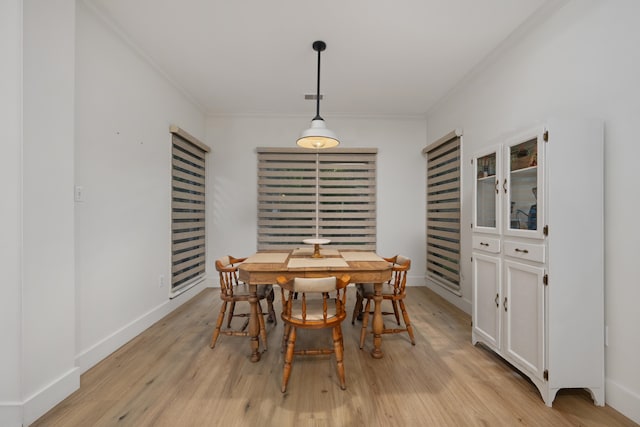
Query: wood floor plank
x,y
168,376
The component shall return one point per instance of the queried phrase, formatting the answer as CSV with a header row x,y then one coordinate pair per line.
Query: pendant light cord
x,y
317,117
319,46
317,192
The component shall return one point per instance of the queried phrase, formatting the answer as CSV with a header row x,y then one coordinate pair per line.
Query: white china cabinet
x,y
537,256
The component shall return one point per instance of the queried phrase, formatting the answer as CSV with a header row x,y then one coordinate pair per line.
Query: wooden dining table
x,y
263,268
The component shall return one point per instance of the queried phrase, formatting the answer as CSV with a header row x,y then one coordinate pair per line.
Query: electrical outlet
x,y
161,280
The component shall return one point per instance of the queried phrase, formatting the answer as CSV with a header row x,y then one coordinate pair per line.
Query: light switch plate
x,y
79,193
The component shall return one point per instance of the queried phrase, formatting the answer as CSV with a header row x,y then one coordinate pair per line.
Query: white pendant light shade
x,y
318,136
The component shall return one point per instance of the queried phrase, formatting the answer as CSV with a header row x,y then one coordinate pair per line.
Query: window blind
x,y
443,211
187,209
287,197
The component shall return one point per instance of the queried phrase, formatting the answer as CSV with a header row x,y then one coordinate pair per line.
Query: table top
x,y
362,266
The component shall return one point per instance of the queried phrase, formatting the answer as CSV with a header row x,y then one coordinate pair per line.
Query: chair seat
x,y
242,290
367,289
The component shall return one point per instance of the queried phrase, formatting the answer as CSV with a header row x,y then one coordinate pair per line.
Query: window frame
x,y
443,211
347,208
188,210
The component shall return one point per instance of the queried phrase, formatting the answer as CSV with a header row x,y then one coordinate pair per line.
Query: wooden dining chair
x,y
233,291
393,291
320,304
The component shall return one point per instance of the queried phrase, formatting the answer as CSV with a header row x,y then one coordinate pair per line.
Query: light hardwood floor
x,y
168,376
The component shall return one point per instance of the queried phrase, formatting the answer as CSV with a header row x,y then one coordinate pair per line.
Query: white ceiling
x,y
383,57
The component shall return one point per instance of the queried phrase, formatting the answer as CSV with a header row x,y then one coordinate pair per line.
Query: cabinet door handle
x,y
484,244
497,186
504,186
497,300
524,251
505,303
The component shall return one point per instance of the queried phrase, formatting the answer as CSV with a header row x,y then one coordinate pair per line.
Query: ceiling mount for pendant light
x,y
318,135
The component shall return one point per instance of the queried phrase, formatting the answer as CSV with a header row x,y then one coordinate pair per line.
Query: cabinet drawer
x,y
486,244
528,251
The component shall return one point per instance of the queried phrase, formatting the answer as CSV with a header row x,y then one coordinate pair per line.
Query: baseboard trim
x,y
623,400
88,358
18,414
11,414
42,401
454,299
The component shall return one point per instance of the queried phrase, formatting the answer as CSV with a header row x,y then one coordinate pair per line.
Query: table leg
x,y
377,323
254,326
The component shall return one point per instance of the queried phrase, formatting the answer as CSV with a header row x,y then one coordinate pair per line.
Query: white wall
x,y
79,278
48,294
583,61
401,185
10,210
124,108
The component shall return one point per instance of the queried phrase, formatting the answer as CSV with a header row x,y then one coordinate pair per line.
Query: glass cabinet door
x,y
522,185
486,196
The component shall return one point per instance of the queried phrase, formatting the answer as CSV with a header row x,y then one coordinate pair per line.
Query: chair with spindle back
x,y
233,291
320,304
393,291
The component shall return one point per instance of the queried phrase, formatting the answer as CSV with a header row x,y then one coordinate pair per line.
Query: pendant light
x,y
318,136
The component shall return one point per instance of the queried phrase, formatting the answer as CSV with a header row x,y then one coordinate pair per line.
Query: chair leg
x,y
365,321
288,360
407,322
357,308
216,331
394,303
338,347
232,309
285,337
263,330
272,313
